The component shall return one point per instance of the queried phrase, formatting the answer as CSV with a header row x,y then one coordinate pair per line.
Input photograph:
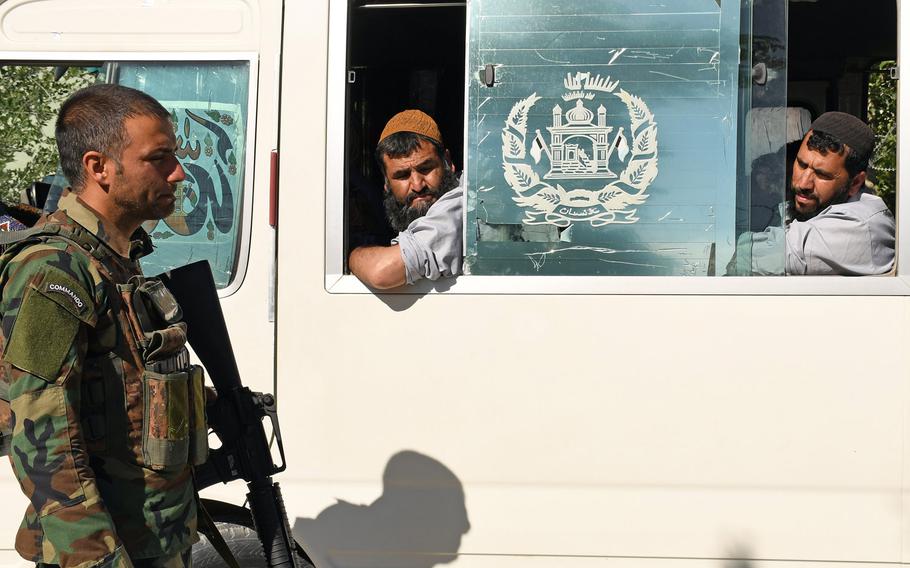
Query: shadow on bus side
x,y
417,522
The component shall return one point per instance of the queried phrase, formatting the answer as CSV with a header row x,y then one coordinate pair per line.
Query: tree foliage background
x,y
29,100
883,120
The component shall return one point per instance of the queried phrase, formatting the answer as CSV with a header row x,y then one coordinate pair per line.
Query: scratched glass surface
x,y
613,141
770,126
208,106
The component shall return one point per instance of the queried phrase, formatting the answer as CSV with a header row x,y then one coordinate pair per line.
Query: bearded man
x,y
837,226
423,202
834,226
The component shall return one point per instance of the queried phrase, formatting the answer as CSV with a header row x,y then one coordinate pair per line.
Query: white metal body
x,y
641,422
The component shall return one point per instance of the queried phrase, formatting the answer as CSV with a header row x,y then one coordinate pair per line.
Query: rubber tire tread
x,y
242,541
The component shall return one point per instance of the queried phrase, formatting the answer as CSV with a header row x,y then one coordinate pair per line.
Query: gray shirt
x,y
431,245
853,238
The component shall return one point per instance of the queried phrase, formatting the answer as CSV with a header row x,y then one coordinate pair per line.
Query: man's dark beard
x,y
840,197
400,215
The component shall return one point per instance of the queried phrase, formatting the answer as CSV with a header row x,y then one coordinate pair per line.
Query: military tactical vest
x,y
164,395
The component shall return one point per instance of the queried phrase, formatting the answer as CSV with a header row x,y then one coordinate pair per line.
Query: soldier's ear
x,y
96,167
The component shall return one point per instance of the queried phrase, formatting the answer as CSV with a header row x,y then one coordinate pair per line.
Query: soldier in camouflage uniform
x,y
108,416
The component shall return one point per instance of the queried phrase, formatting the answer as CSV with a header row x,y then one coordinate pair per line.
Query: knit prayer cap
x,y
412,121
849,130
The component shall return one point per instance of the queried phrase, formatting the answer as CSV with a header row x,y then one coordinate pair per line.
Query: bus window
x,y
619,139
399,56
209,107
208,102
29,98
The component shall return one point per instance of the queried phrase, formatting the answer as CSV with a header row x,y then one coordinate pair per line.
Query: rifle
x,y
236,415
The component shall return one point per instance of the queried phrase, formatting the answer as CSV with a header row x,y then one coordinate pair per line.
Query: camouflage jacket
x,y
81,401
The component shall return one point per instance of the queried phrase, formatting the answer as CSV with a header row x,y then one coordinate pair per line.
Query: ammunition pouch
x,y
174,430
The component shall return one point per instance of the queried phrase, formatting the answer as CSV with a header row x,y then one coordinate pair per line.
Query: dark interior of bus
x,y
832,46
412,55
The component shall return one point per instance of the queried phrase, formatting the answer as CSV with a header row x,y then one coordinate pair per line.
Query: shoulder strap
x,y
8,238
73,234
80,237
208,527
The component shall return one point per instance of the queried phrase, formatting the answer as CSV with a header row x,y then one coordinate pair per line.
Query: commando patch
x,y
65,290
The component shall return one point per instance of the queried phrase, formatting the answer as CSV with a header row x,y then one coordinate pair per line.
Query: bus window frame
x,y
51,58
337,282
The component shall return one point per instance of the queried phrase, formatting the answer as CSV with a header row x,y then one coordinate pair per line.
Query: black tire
x,y
244,544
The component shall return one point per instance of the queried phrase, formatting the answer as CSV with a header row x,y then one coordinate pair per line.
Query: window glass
x,y
882,111
29,98
208,105
618,138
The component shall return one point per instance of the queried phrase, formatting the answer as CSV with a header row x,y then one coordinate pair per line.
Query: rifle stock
x,y
236,416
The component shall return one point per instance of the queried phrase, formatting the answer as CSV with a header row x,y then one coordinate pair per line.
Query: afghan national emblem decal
x,y
583,152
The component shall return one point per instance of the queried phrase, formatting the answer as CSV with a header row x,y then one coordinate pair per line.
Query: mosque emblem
x,y
583,150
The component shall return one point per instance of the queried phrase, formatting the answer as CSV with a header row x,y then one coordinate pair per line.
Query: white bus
x,y
595,390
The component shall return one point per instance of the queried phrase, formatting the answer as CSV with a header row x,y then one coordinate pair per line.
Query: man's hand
x,y
378,267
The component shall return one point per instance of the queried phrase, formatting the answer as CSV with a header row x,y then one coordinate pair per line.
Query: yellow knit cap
x,y
412,121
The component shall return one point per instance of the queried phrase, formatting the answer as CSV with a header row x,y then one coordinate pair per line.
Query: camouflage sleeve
x,y
48,306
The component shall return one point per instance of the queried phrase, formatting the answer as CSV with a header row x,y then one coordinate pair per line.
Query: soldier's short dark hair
x,y
402,144
92,119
